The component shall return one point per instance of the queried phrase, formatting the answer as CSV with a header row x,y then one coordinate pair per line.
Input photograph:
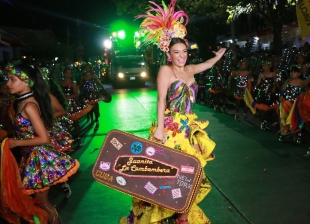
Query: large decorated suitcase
x,y
147,170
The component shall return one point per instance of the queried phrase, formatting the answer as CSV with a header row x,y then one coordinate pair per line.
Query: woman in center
x,y
177,126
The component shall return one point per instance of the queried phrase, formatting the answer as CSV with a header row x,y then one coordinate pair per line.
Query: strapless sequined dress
x,y
182,131
41,166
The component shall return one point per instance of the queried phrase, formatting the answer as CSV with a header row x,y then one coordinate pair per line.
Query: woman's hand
x,y
159,134
281,98
220,52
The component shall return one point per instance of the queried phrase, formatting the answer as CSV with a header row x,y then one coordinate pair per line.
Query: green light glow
x,y
121,34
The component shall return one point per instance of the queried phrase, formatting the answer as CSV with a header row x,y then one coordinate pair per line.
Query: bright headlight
x,y
120,75
143,74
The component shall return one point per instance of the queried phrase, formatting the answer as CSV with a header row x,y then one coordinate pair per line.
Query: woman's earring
x,y
169,59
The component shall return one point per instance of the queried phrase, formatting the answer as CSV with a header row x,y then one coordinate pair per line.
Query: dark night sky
x,y
94,16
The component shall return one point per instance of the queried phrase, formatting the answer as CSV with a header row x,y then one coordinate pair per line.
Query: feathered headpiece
x,y
162,23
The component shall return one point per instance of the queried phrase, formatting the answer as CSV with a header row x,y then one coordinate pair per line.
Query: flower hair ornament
x,y
160,24
20,74
266,62
45,73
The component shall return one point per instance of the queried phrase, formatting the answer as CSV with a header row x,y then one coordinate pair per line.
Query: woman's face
x,y
243,65
300,59
88,68
275,63
294,74
16,85
68,74
178,54
266,67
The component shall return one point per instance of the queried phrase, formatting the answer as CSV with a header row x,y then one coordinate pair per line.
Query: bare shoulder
x,y
165,70
31,106
190,69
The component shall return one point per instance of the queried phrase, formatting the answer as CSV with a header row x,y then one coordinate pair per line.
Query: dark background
x,y
72,21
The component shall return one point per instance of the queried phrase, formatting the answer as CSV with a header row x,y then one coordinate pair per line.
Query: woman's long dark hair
x,y
40,92
56,90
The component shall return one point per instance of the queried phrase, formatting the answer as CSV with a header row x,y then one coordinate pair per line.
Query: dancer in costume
x,y
77,108
289,93
177,126
302,64
90,86
243,81
41,166
276,69
218,86
266,87
61,134
61,138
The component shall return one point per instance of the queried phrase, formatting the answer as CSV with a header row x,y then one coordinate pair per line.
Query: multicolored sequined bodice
x,y
266,85
68,90
23,127
90,86
241,83
291,92
181,98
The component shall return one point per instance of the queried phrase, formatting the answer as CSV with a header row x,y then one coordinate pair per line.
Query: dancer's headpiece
x,y
160,24
10,68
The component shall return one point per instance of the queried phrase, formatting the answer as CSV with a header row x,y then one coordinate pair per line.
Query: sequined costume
x,y
77,108
90,92
289,97
41,166
218,81
291,93
264,98
241,85
182,131
61,138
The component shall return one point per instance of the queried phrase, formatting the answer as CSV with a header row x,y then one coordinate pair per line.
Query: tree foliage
x,y
274,13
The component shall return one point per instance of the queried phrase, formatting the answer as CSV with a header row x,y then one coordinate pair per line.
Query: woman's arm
x,y
81,81
59,111
98,82
32,113
207,64
259,79
162,87
76,91
283,88
306,82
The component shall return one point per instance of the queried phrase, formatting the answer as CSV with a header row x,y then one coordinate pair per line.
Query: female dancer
x,y
60,107
304,67
276,69
41,166
289,93
218,86
90,92
266,86
243,81
177,91
77,109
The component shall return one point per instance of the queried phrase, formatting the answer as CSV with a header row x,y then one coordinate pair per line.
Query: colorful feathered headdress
x,y
160,24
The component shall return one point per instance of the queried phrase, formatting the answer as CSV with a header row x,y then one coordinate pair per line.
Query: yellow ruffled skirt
x,y
182,132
